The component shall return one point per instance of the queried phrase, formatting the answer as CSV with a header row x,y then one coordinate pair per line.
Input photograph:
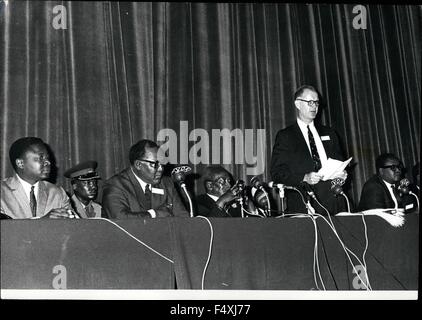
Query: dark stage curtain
x,y
124,71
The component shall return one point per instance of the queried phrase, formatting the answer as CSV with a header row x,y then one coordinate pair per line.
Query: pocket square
x,y
325,138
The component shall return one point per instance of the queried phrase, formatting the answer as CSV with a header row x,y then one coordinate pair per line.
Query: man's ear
x,y
74,186
208,185
19,163
297,104
137,164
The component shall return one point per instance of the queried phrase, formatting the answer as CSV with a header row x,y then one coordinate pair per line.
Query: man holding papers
x,y
301,154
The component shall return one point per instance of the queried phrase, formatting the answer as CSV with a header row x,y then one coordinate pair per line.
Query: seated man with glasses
x,y
141,191
381,190
300,151
220,195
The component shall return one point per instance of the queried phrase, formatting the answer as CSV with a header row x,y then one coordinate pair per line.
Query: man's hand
x,y
342,175
229,196
312,178
60,213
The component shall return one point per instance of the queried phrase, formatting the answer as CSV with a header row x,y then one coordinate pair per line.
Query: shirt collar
x,y
303,125
27,186
215,198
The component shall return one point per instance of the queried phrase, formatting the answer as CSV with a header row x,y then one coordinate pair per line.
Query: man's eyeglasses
x,y
223,181
153,164
393,167
311,103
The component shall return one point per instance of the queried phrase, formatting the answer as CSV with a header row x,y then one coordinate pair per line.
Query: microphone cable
x,y
347,201
416,197
347,251
209,251
133,237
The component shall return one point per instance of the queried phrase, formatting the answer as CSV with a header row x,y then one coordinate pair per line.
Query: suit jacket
x,y
375,195
123,197
291,160
15,203
207,207
80,210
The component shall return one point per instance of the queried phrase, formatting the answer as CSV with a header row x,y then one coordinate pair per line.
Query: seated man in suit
x,y
85,189
220,196
26,195
381,190
141,191
300,151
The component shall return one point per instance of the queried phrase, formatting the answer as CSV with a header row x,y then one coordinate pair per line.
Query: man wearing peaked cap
x,y
85,189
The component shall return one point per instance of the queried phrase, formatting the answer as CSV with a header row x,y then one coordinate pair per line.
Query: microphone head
x,y
260,199
256,183
404,186
336,184
179,173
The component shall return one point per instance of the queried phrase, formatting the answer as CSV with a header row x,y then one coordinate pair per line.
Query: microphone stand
x,y
282,198
183,186
416,197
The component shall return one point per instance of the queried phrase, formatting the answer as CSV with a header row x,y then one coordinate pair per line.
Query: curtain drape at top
x,y
125,71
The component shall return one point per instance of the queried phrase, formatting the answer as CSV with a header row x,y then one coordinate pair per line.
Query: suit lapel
x,y
78,207
326,143
42,198
20,195
140,197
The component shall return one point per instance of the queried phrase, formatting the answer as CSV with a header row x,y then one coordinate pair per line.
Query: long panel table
x,y
246,254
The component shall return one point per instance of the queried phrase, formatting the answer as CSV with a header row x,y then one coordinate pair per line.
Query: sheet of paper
x,y
332,168
394,217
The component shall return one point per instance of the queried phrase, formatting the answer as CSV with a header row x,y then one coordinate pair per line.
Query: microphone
x,y
256,183
336,184
179,174
308,189
258,197
271,184
403,187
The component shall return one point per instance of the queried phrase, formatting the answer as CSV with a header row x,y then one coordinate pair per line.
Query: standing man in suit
x,y
220,194
141,191
26,195
381,190
84,179
300,151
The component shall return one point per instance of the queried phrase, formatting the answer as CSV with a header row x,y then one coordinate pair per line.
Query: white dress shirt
x,y
317,138
215,198
27,187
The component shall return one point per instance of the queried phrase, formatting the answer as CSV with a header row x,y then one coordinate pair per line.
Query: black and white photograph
x,y
209,151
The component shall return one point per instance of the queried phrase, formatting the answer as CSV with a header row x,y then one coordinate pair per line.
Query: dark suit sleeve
x,y
115,204
372,197
206,207
281,171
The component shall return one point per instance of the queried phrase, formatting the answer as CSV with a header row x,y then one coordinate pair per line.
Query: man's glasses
x,y
223,181
153,164
393,167
311,103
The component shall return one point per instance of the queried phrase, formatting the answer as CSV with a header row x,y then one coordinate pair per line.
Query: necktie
x,y
396,194
147,197
33,202
314,151
90,211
